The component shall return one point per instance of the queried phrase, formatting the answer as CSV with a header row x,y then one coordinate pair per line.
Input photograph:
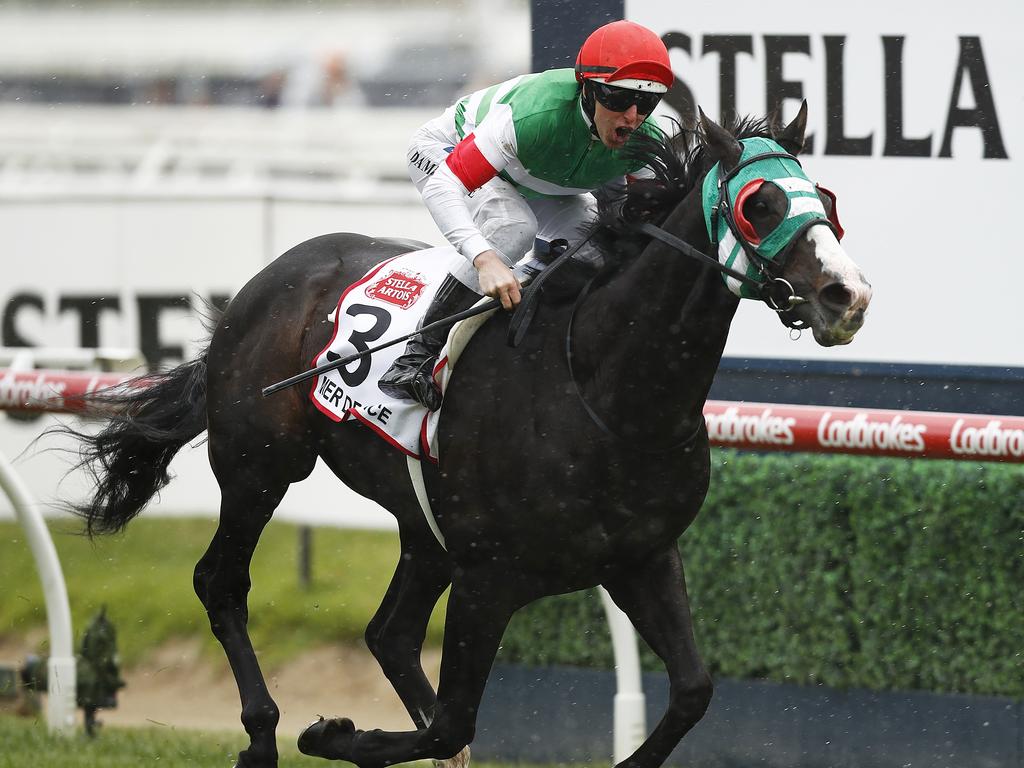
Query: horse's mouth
x,y
837,333
832,338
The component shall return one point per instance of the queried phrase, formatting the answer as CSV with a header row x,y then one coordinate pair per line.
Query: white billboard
x,y
917,123
133,271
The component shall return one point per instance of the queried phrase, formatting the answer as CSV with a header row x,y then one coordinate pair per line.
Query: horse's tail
x,y
151,418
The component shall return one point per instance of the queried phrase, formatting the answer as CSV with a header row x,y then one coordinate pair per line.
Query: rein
x,y
523,315
776,292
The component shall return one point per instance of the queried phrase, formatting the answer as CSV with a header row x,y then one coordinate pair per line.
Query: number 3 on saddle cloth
x,y
388,302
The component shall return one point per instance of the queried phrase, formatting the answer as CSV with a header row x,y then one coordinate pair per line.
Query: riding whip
x,y
331,365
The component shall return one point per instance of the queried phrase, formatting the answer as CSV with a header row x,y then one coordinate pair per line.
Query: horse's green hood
x,y
785,172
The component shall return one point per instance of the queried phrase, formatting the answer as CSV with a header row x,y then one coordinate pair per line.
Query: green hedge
x,y
845,571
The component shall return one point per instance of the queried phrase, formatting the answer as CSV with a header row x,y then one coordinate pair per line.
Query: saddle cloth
x,y
388,302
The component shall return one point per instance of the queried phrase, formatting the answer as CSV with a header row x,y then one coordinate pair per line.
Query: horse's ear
x,y
720,141
791,138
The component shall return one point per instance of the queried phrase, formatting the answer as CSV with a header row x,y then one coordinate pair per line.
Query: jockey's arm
x,y
477,159
445,197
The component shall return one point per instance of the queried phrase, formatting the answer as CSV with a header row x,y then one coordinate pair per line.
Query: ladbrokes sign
x,y
991,440
863,430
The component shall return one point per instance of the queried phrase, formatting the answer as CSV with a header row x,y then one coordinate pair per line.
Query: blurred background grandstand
x,y
160,153
247,97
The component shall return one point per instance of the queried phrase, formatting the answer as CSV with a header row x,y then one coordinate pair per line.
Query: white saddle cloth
x,y
384,304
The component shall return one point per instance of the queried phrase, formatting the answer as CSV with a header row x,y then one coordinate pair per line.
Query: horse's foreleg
x,y
395,634
222,583
474,623
654,598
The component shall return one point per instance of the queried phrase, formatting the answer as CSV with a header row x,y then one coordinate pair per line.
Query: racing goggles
x,y
621,99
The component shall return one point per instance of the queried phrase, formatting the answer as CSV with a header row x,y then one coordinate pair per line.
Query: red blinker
x,y
744,226
833,214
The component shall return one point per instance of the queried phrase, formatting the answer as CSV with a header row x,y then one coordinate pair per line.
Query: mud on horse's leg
x,y
654,598
395,634
222,582
476,619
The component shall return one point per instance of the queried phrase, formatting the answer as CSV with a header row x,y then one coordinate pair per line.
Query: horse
x,y
576,459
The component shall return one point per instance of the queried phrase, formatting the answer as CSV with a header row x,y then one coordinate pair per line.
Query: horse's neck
x,y
655,337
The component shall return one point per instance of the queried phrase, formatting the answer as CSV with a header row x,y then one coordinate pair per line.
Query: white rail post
x,y
61,676
630,723
60,705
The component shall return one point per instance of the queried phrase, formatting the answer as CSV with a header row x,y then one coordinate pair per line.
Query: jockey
x,y
519,161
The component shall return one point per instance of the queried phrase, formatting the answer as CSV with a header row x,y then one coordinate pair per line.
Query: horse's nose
x,y
837,297
845,298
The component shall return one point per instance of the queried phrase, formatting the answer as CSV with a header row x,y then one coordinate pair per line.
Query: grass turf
x,y
144,577
25,742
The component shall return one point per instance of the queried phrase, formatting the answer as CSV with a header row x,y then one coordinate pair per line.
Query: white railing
x,y
144,148
61,670
61,682
75,358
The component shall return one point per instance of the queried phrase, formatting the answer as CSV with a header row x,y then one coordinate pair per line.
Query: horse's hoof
x,y
243,762
331,739
460,760
246,759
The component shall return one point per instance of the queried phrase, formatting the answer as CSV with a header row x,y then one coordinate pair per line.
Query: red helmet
x,y
626,55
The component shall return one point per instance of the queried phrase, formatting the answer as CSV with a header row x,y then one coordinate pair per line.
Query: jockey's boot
x,y
411,376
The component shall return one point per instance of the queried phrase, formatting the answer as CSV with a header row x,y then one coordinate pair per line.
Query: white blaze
x,y
837,265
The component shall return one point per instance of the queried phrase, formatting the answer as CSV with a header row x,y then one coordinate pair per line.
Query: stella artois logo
x,y
398,287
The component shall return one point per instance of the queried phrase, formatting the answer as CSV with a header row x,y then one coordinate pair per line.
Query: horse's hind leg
x,y
475,621
395,634
248,499
654,598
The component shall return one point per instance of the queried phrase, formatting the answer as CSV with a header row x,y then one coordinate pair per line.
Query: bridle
x,y
766,285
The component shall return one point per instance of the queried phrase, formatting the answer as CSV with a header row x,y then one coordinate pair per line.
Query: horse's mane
x,y
678,163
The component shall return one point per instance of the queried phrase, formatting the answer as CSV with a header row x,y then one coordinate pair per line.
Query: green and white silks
x,y
804,205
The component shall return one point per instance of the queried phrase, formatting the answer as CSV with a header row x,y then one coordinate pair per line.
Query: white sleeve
x,y
486,151
445,198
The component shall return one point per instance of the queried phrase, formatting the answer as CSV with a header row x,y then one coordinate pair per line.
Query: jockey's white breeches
x,y
509,221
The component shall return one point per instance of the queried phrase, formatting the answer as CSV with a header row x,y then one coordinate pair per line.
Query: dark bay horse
x,y
550,480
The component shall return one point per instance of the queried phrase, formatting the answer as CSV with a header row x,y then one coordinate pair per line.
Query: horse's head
x,y
770,222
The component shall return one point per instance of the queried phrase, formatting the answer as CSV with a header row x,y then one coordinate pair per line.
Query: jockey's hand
x,y
497,280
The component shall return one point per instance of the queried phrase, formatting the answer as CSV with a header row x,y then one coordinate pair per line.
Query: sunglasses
x,y
621,99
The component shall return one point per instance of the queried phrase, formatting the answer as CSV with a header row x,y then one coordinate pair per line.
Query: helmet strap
x,y
588,101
